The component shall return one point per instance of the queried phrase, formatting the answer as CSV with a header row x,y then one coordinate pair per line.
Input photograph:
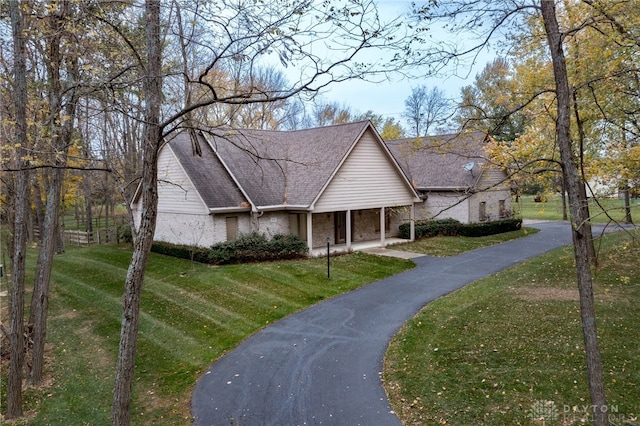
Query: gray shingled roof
x,y
274,168
208,175
438,162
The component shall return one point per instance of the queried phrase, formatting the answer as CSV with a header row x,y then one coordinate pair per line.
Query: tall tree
x,y
329,113
516,18
152,136
491,104
388,127
577,201
61,123
21,205
426,109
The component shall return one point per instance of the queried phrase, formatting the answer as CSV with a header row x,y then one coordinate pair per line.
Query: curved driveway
x,y
322,366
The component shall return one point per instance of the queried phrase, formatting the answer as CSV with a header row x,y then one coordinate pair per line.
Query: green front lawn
x,y
499,351
191,315
451,246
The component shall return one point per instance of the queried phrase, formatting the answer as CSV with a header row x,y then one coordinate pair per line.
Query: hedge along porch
x,y
339,182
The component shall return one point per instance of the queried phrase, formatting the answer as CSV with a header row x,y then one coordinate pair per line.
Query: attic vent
x,y
469,166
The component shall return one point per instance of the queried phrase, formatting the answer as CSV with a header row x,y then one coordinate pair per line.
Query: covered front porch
x,y
356,246
351,230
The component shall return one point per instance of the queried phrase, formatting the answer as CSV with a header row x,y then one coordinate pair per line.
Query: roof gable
x,y
274,169
207,174
368,177
285,168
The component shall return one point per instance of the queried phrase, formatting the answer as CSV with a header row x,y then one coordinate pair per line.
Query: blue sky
x,y
387,97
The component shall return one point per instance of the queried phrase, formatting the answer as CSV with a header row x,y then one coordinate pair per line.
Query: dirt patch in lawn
x,y
547,293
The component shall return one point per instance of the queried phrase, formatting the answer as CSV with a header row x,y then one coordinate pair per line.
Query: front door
x,y
340,226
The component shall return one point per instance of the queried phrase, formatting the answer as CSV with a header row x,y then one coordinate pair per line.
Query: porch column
x,y
383,231
348,230
309,224
412,226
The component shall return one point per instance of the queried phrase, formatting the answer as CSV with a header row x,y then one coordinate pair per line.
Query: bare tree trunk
x,y
86,186
39,206
40,296
107,206
87,176
577,202
586,229
61,139
564,198
143,238
627,200
627,205
21,205
587,226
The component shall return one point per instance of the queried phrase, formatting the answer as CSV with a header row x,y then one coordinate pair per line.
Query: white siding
x,y
367,179
182,216
188,229
492,178
176,193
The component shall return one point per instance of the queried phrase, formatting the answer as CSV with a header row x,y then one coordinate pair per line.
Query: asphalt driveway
x,y
322,366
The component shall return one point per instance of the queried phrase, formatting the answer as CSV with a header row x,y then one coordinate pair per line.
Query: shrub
x,y
255,247
200,254
431,228
490,228
452,227
286,244
124,234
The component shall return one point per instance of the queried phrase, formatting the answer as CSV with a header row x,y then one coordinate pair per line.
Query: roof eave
x,y
444,189
282,207
223,210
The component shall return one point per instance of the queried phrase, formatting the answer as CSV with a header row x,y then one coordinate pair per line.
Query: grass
x,y
495,350
552,209
191,315
451,246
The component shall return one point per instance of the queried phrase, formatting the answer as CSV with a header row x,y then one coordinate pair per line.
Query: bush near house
x,y
253,247
490,228
452,228
200,254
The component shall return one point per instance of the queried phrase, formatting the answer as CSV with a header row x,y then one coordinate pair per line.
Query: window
x,y
482,211
232,227
298,225
501,207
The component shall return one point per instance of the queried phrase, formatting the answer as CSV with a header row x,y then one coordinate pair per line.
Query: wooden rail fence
x,y
78,237
100,236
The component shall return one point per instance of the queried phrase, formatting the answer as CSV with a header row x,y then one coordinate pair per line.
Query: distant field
x,y
602,210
